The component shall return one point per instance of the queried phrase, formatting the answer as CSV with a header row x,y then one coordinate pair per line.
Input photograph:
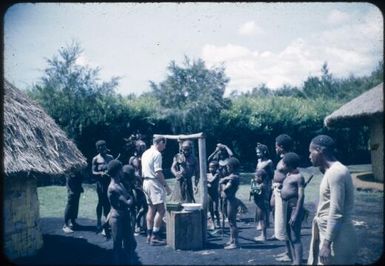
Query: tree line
x,y
191,99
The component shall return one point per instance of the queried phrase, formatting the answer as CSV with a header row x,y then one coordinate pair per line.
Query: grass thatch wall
x,y
377,148
33,143
22,236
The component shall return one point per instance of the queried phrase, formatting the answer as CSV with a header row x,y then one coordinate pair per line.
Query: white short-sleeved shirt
x,y
151,162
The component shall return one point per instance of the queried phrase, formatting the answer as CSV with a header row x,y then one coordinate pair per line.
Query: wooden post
x,y
203,182
182,136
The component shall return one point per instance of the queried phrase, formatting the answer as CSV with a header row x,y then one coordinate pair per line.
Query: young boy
x,y
133,183
292,192
213,191
74,189
99,170
124,242
260,194
230,186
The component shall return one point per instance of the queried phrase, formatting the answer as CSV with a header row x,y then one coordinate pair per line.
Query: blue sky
x,y
271,43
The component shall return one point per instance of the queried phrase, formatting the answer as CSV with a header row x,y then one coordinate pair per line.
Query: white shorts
x,y
154,190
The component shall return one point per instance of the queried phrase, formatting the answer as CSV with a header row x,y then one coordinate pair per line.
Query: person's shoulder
x,y
296,175
337,171
111,187
178,157
338,167
280,164
146,152
300,178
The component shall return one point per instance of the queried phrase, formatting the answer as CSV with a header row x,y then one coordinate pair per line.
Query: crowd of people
x,y
132,197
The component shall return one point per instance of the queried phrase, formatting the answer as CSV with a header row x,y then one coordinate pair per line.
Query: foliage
x,y
344,90
261,119
191,95
191,99
84,107
71,95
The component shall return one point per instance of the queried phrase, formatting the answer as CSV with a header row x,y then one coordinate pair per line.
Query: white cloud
x,y
337,17
353,48
229,52
250,28
290,66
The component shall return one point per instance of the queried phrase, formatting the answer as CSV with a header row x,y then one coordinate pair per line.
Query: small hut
x,y
34,147
367,109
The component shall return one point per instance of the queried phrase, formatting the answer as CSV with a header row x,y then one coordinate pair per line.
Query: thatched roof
x,y
33,142
368,105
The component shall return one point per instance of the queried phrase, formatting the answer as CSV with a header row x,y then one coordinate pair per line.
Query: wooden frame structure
x,y
202,186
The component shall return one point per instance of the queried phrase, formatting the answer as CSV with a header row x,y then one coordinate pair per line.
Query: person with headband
x,y
259,192
185,168
266,164
333,239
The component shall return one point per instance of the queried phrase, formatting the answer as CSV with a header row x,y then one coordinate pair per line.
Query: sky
x,y
258,43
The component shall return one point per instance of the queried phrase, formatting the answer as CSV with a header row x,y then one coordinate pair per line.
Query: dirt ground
x,y
85,247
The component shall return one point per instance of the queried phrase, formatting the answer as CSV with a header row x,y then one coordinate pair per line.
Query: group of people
x,y
132,197
282,191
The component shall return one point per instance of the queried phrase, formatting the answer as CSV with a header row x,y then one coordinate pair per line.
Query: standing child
x,y
259,192
99,170
119,216
213,191
230,186
128,180
134,184
292,192
265,163
74,189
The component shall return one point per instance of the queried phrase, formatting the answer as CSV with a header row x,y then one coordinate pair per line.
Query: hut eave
x,y
33,142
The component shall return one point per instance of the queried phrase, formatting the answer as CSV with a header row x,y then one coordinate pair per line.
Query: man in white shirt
x,y
155,188
333,236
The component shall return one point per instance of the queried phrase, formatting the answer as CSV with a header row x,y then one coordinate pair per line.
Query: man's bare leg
x,y
150,221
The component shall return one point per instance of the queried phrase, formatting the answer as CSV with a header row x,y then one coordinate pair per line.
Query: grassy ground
x,y
53,198
88,248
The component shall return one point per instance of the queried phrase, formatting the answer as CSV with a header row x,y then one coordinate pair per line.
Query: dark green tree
x,y
191,95
71,93
82,105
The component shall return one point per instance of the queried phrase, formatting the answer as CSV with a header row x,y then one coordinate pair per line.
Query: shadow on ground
x,y
86,247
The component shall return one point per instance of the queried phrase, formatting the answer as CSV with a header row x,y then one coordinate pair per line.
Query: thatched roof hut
x,y
367,109
359,110
33,142
34,146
